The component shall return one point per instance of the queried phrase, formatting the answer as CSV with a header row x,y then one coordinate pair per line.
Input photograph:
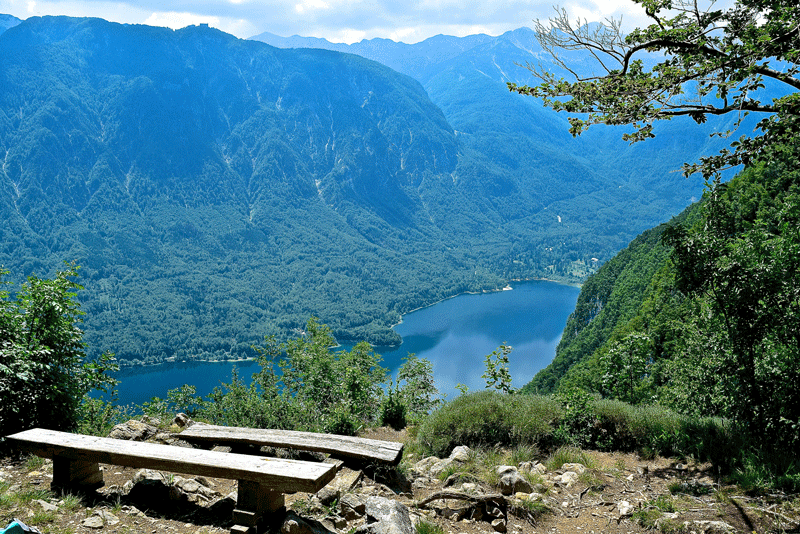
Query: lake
x,y
455,335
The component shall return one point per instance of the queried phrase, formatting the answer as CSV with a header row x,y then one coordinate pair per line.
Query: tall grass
x,y
489,419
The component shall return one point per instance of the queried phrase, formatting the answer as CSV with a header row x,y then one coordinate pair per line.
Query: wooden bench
x,y
262,481
340,446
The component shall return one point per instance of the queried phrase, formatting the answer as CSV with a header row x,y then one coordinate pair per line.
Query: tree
x,y
705,61
743,260
44,375
497,375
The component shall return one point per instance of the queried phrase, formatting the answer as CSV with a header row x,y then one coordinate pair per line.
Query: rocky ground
x,y
471,492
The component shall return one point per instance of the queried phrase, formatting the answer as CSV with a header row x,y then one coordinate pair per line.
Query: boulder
x,y
182,420
574,467
386,516
133,431
707,527
352,507
567,479
460,454
513,482
100,519
625,508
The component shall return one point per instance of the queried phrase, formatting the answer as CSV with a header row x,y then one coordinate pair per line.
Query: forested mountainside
x,y
604,190
7,21
702,314
216,190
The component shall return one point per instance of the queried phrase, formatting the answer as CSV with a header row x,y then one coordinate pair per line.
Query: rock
x,y
352,507
469,487
133,431
567,479
577,468
440,466
153,489
385,516
100,519
195,489
182,420
224,507
423,467
707,527
504,469
513,482
345,481
152,421
294,524
460,454
499,525
662,521
46,506
625,508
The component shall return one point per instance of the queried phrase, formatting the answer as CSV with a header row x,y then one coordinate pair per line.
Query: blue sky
x,y
348,21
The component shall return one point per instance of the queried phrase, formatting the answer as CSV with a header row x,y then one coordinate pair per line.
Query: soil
x,y
654,488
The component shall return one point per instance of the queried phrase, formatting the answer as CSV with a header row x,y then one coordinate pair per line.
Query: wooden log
x,y
285,476
350,447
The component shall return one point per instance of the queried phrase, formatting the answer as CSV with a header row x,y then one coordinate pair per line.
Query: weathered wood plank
x,y
360,448
281,475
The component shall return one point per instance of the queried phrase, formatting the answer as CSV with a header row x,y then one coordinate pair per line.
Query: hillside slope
x,y
216,190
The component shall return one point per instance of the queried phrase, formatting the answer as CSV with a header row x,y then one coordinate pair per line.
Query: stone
x,y
625,508
499,525
46,506
423,467
503,469
100,519
577,468
346,480
352,507
386,516
440,466
707,527
133,431
152,421
294,524
567,479
182,420
513,482
460,454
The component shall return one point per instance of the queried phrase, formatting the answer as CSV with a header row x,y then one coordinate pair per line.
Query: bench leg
x,y
68,473
253,502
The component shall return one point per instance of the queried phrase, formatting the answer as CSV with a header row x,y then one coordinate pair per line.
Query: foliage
x,y
497,375
625,368
418,392
393,410
576,419
711,62
44,374
488,418
744,266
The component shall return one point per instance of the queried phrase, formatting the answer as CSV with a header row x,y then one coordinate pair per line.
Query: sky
x,y
347,21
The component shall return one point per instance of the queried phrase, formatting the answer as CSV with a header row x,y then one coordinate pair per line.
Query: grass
x,y
427,527
570,455
653,510
34,463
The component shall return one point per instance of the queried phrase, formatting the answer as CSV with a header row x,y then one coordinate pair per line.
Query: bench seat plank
x,y
286,476
360,448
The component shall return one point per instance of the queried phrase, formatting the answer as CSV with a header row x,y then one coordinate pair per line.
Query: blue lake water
x,y
455,335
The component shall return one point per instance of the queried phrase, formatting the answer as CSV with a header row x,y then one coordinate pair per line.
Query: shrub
x,y
44,375
486,419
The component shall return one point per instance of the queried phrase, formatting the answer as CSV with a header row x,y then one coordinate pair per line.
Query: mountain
x,y
7,21
216,190
595,193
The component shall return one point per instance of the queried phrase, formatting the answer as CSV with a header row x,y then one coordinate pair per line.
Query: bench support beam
x,y
253,502
70,473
